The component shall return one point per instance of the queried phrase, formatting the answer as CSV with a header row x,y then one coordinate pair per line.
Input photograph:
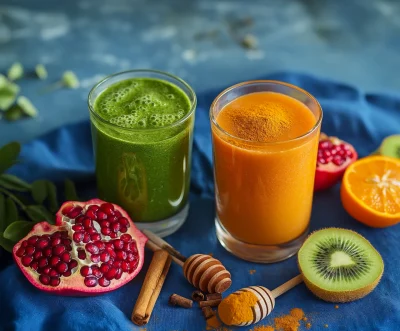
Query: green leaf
x,y
3,81
7,244
16,71
52,196
12,214
13,114
39,191
41,71
17,230
9,155
26,106
8,94
12,182
38,213
70,191
2,212
70,80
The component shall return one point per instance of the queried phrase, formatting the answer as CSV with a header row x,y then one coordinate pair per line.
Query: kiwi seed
x,y
339,265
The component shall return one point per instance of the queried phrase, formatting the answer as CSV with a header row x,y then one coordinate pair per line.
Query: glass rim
x,y
159,72
263,143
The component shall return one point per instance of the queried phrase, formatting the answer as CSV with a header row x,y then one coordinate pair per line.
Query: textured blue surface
x,y
362,119
353,41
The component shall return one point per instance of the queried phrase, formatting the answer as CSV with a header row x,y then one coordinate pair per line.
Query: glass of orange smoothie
x,y
265,142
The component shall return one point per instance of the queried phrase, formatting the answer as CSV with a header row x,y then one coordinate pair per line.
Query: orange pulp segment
x,y
370,191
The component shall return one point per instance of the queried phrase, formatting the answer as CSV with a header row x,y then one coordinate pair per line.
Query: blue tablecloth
x,y
360,118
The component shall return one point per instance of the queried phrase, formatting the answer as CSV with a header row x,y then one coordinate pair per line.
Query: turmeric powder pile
x,y
236,308
290,322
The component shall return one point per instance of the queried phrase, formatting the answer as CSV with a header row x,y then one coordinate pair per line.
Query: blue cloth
x,y
362,119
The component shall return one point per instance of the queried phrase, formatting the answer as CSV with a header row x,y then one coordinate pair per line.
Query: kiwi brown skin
x,y
345,296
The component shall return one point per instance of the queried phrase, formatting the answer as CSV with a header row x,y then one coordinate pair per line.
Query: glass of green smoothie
x,y
142,131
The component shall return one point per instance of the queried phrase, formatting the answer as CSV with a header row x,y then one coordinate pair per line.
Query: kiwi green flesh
x,y
339,260
391,146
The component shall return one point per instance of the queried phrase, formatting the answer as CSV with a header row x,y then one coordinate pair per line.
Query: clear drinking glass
x,y
264,190
145,170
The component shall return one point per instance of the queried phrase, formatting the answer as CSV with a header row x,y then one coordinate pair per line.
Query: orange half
x,y
370,191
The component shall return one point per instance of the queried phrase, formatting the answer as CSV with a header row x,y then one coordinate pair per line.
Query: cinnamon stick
x,y
151,287
213,296
210,303
177,300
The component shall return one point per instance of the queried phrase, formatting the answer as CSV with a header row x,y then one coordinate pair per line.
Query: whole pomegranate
x,y
93,248
334,156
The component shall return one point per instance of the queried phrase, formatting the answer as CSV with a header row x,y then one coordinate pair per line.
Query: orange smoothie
x,y
265,167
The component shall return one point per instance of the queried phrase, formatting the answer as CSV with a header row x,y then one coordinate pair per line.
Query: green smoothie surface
x,y
142,103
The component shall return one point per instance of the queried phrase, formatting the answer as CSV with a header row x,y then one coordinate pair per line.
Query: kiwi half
x,y
339,265
390,146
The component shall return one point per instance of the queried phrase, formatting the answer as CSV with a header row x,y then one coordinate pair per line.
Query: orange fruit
x,y
370,191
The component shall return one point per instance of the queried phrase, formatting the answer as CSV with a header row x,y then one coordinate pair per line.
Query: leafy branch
x,y
24,204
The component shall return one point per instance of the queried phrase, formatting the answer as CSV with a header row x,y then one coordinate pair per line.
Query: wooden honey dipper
x,y
202,271
265,300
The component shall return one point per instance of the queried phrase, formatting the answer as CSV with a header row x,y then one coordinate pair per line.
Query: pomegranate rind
x,y
73,285
327,175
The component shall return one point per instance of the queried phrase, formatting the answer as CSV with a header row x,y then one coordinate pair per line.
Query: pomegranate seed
x,y
65,211
56,234
87,222
62,267
115,227
44,279
134,264
78,236
34,265
47,252
126,237
24,243
117,213
103,282
326,153
117,264
119,274
110,274
93,207
54,261
66,257
95,258
54,273
104,257
125,266
32,240
42,262
42,243
108,208
325,144
342,153
86,271
20,252
100,245
113,235
90,281
73,264
77,227
112,219
105,231
101,215
75,212
92,248
132,247
337,160
37,255
130,257
118,244
349,153
91,214
81,254
123,229
79,219
109,245
104,267
58,249
86,238
54,281
67,273
55,241
104,224
321,161
123,221
121,255
91,230
95,237
96,271
66,241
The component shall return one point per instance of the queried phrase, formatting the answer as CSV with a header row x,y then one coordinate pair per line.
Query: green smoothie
x,y
142,132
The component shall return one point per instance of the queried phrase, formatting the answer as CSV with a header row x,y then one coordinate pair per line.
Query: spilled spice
x,y
326,325
290,322
264,328
308,325
337,307
305,319
252,271
213,323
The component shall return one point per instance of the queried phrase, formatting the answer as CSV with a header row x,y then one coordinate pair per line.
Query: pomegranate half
x,y
94,247
334,156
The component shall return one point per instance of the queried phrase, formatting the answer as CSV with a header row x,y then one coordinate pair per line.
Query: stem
x,y
13,197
